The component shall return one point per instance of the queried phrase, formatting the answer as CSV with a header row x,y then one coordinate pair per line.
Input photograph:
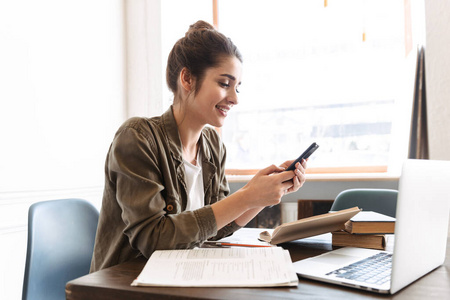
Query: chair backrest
x,y
61,235
383,201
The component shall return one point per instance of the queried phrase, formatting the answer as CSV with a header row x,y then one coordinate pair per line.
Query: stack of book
x,y
367,229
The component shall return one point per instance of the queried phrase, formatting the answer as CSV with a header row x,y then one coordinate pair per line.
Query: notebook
x,y
421,230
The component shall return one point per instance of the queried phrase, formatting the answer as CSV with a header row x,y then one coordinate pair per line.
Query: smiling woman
x,y
165,184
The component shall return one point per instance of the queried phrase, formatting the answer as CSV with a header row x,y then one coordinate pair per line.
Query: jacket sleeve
x,y
140,193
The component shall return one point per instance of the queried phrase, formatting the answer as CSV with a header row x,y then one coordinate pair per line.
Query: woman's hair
x,y
201,48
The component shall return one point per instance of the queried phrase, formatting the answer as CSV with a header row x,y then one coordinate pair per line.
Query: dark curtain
x,y
418,140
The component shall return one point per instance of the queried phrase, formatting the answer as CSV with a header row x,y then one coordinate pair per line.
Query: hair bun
x,y
200,26
201,48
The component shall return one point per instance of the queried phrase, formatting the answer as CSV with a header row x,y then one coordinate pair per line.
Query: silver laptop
x,y
421,227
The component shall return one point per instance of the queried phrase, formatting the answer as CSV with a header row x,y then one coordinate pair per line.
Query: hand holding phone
x,y
313,147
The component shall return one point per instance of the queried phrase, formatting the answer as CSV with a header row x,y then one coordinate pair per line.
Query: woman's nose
x,y
233,98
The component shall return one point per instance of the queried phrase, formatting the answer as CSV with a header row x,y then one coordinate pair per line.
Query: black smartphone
x,y
304,155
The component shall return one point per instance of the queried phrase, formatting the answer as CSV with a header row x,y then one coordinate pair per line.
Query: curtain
x,y
418,140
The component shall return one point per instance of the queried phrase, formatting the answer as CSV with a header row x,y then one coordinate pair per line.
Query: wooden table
x,y
114,283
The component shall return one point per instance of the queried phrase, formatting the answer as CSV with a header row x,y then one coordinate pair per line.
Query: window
x,y
331,73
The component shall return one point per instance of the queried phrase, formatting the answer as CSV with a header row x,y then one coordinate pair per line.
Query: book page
x,y
310,226
219,267
371,216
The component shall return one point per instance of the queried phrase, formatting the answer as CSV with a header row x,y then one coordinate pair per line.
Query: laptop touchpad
x,y
323,264
336,259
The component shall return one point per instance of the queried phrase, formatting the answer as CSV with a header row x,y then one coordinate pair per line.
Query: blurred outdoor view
x,y
315,73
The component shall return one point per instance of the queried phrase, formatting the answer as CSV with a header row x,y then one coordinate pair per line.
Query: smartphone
x,y
304,155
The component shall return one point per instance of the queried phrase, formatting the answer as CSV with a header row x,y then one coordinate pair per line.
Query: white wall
x,y
153,27
61,100
437,72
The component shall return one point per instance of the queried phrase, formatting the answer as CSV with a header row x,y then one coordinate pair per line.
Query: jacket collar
x,y
174,140
173,137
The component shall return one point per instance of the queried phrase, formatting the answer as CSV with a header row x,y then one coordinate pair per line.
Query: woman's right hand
x,y
268,186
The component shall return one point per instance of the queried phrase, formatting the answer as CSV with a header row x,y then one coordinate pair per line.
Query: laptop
x,y
421,228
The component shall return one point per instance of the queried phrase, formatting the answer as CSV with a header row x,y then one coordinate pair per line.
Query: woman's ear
x,y
186,79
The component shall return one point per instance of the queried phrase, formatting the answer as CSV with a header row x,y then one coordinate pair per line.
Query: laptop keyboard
x,y
375,269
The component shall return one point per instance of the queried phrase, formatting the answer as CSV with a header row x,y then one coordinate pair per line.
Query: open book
x,y
311,226
219,267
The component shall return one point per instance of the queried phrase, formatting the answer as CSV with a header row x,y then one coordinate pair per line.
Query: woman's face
x,y
217,93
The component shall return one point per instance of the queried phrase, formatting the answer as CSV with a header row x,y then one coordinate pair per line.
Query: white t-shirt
x,y
194,184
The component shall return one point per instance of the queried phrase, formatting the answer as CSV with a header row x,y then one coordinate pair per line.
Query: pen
x,y
234,244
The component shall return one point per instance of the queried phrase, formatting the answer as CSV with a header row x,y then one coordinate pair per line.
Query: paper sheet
x,y
219,267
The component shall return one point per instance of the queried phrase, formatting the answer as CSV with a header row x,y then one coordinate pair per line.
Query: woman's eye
x,y
227,85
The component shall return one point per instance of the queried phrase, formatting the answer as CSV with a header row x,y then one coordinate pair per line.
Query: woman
x,y
164,176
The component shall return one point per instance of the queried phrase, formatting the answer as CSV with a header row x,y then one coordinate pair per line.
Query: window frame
x,y
373,169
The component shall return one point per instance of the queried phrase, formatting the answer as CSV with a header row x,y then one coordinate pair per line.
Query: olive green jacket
x,y
144,198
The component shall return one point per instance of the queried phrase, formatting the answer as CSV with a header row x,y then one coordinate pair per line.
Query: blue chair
x,y
61,235
383,201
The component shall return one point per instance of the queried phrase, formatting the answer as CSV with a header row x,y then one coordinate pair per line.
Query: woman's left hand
x,y
299,175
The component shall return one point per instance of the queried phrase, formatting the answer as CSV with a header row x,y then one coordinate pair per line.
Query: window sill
x,y
362,173
331,177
